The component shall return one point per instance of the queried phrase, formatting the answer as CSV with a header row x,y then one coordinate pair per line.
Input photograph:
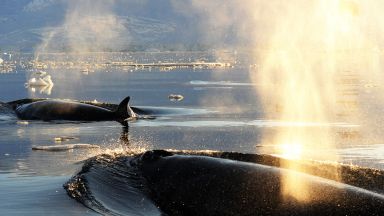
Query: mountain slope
x,y
60,25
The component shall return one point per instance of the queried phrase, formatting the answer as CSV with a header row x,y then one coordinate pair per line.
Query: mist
x,y
306,54
88,26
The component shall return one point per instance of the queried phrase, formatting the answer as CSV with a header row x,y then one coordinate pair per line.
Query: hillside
x,y
124,25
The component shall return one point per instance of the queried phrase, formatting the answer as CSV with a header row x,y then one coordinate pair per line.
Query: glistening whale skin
x,y
48,110
201,185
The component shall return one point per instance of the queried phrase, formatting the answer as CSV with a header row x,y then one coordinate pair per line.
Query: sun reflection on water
x,y
291,150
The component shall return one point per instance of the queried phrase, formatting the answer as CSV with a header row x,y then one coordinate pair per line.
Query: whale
x,y
54,109
159,182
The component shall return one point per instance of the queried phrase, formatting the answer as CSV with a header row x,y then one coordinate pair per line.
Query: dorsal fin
x,y
124,112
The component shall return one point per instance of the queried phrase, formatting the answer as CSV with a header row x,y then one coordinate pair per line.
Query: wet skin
x,y
48,110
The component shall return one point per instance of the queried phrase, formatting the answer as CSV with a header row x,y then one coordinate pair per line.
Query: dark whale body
x,y
48,110
161,183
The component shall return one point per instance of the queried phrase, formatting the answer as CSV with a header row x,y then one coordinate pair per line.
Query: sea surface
x,y
220,110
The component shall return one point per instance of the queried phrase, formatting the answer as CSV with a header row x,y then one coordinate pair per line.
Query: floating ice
x,y
41,73
86,71
22,123
63,138
40,81
64,147
43,83
175,97
42,89
37,82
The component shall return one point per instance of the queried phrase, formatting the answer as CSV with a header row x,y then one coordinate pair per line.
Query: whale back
x,y
203,185
193,185
48,110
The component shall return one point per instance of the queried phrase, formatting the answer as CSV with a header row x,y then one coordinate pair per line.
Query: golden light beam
x,y
306,50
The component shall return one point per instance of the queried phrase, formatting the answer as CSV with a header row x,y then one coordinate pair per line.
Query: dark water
x,y
220,111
